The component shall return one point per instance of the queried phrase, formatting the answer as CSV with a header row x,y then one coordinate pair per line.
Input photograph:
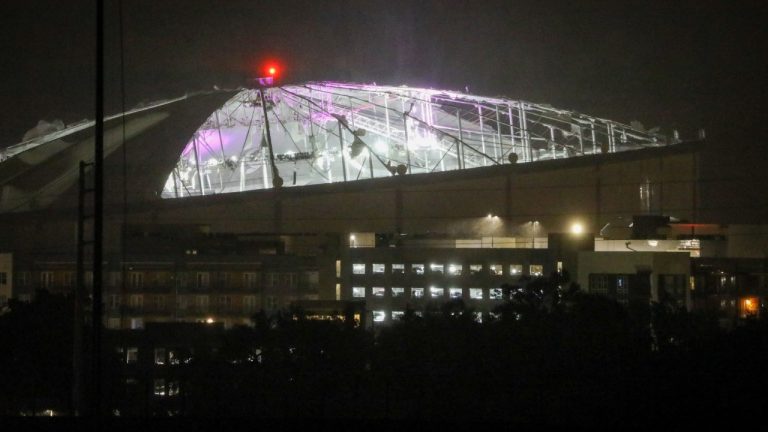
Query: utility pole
x,y
98,216
79,295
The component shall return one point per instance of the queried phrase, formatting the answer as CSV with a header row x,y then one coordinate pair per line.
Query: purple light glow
x,y
209,146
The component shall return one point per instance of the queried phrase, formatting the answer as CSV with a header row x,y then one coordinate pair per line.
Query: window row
x,y
249,303
200,280
449,269
396,315
161,356
163,389
433,292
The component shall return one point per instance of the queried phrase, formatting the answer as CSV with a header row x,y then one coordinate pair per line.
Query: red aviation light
x,y
269,73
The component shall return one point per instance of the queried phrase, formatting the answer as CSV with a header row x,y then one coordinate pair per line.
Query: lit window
x,y
173,358
436,292
417,269
495,293
173,388
417,292
398,292
454,269
398,268
478,316
749,307
338,268
455,293
159,387
137,323
536,270
379,315
436,268
475,269
476,293
495,269
378,268
132,355
397,315
358,268
358,292
622,290
159,356
378,291
515,269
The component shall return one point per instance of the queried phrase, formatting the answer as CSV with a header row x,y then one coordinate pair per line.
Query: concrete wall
x,y
747,241
594,190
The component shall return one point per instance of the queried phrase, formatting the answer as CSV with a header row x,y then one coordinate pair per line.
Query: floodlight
x,y
577,228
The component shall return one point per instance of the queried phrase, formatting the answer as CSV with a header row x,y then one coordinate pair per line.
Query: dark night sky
x,y
674,64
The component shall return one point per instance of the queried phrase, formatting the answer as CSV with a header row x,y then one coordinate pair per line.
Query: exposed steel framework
x,y
328,132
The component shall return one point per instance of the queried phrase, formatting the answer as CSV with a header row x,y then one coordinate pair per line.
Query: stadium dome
x,y
329,132
218,142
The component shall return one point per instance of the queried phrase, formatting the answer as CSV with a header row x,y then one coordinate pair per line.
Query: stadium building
x,y
223,203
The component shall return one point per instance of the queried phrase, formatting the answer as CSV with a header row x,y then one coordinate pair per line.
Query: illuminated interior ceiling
x,y
329,132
